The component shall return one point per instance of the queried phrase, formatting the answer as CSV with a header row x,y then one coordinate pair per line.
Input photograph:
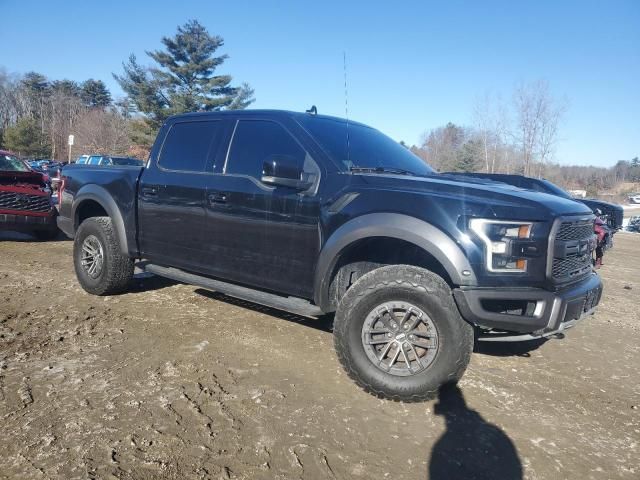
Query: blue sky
x,y
412,65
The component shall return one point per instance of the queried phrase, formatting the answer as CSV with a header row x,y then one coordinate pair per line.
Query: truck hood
x,y
25,181
480,197
33,180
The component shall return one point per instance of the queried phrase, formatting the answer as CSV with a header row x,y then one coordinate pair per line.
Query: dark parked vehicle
x,y
634,224
610,213
313,214
25,199
50,168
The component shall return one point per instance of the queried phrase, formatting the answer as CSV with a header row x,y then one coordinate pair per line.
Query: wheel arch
x,y
90,201
428,240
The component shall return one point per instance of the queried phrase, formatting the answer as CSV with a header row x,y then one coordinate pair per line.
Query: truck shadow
x,y
470,447
324,323
146,282
508,349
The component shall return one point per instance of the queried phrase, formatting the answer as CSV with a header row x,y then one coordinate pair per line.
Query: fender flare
x,y
393,225
99,195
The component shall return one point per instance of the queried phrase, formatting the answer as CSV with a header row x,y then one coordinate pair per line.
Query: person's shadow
x,y
470,448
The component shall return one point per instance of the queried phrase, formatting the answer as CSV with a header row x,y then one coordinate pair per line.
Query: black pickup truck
x,y
315,215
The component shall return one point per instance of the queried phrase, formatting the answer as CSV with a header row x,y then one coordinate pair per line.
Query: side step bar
x,y
288,304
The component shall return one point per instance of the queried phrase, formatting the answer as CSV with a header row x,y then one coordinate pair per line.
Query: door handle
x,y
150,191
217,198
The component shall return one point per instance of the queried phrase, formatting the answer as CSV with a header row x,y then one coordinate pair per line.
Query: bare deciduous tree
x,y
537,117
103,132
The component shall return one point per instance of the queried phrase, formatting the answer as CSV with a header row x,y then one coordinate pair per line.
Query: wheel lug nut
x,y
389,335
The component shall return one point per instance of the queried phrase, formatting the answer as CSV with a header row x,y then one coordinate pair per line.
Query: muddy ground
x,y
171,381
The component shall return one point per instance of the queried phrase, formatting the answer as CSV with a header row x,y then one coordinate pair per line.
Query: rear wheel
x,y
101,267
399,335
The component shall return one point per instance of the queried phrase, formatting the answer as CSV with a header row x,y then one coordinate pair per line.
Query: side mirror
x,y
284,171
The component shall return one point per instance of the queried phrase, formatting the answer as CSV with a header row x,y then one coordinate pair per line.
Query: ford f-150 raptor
x,y
316,215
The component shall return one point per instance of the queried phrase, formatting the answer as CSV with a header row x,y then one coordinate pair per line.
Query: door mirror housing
x,y
284,171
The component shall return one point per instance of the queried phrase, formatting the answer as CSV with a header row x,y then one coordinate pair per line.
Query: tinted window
x,y
356,145
126,161
189,145
256,140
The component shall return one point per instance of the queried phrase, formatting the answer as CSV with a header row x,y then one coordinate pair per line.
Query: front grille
x,y
24,202
572,250
575,230
571,267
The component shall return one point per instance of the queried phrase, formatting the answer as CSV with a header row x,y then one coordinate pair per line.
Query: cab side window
x,y
255,141
189,145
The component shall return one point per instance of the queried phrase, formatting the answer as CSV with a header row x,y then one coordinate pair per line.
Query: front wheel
x,y
399,335
101,267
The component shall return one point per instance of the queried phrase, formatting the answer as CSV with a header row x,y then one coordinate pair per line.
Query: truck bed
x,y
114,187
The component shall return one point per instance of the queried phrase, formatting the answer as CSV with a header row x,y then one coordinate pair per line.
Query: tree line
x,y
37,114
520,136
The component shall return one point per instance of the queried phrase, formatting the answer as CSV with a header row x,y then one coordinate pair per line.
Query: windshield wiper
x,y
398,171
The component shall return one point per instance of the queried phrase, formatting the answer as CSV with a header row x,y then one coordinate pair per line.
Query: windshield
x,y
365,147
10,163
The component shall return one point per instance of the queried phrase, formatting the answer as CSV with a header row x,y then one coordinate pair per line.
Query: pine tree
x,y
37,89
25,138
66,87
95,93
467,157
184,79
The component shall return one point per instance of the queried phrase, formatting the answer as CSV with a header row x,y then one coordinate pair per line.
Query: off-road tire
x,y
45,235
117,268
428,292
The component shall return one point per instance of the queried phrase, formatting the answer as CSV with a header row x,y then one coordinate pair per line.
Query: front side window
x,y
94,160
257,141
189,145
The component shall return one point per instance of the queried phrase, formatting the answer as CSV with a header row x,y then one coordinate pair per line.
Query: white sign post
x,y
71,138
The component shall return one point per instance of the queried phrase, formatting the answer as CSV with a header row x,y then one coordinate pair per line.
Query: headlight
x,y
499,237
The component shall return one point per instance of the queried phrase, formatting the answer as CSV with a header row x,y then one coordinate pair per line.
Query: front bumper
x,y
27,223
547,312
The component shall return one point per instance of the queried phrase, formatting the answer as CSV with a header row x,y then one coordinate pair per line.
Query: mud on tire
x,y
431,296
114,271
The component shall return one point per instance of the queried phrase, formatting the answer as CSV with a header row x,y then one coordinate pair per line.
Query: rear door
x,y
263,235
172,193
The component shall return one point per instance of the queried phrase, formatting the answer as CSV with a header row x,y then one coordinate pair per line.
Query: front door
x,y
264,236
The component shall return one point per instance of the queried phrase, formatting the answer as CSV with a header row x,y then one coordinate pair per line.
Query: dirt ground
x,y
171,381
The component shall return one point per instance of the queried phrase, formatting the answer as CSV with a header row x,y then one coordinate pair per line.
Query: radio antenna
x,y
346,104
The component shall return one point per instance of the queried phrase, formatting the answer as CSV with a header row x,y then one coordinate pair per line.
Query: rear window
x,y
126,161
189,145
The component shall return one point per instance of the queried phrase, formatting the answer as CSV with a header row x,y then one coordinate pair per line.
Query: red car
x,y
25,199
